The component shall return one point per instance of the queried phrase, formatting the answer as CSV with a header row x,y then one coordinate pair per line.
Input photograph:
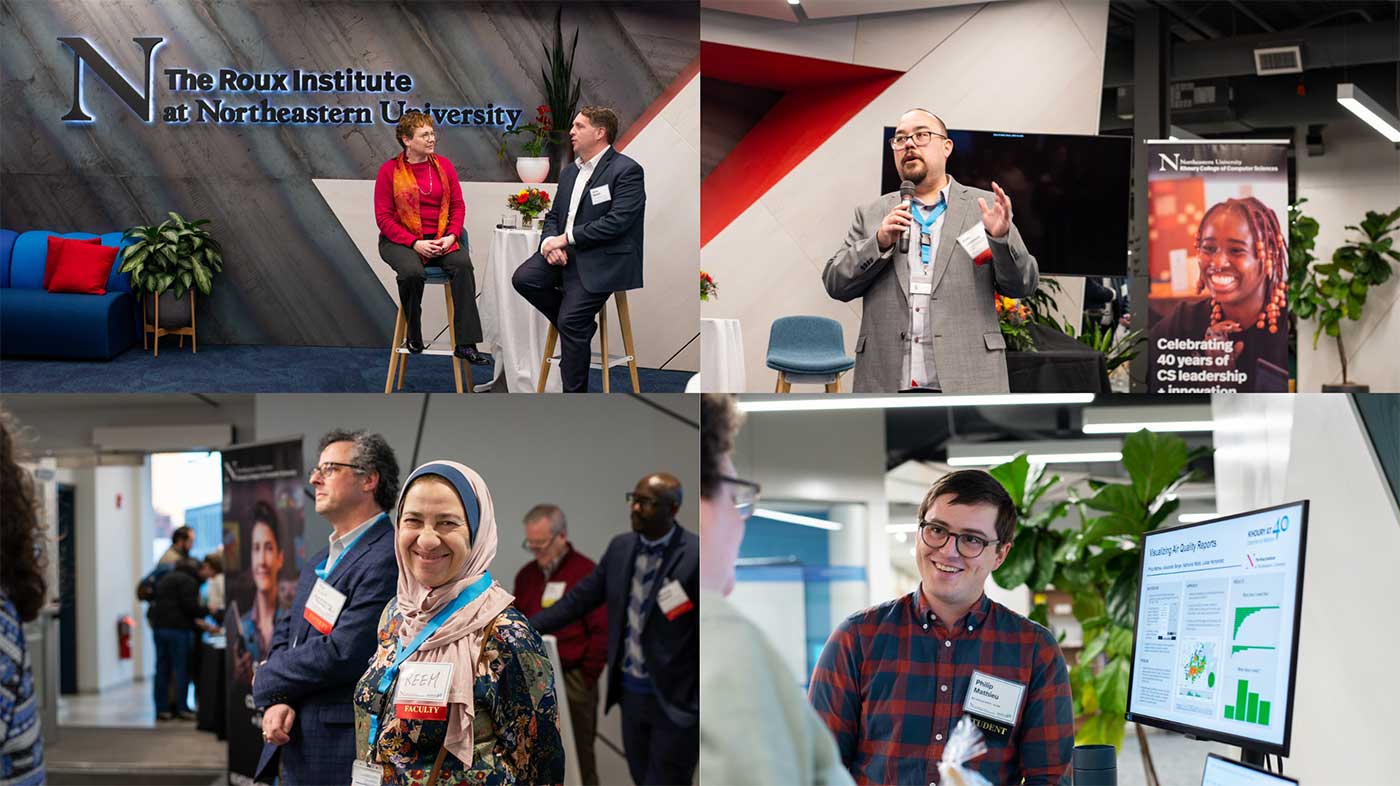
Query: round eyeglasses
x,y
971,546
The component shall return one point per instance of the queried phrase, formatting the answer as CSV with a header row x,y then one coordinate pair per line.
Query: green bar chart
x,y
1247,707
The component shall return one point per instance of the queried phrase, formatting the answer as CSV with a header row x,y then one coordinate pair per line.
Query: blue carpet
x,y
228,368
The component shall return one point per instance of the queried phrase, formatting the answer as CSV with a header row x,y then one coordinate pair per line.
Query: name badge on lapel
x,y
600,194
553,591
323,607
994,704
673,600
422,691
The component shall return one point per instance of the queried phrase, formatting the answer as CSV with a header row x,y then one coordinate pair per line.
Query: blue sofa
x,y
38,323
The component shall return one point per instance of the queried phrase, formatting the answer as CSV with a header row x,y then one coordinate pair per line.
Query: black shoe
x,y
415,346
185,716
164,716
472,356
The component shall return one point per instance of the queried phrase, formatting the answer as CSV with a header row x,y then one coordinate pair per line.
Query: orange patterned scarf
x,y
407,195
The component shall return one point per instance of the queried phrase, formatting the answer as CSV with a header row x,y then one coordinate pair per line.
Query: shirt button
x,y
947,643
938,737
969,627
925,626
943,688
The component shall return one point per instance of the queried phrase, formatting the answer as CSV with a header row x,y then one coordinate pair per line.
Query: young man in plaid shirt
x,y
894,679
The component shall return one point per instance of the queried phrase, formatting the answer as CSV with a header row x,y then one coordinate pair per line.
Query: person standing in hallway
x,y
176,617
558,567
320,649
650,580
23,592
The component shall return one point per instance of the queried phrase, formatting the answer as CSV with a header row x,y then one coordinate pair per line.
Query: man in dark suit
x,y
592,241
650,580
320,650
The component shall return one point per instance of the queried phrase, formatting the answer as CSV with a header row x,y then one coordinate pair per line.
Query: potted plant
x,y
532,165
1097,564
529,203
1338,288
708,287
166,261
561,90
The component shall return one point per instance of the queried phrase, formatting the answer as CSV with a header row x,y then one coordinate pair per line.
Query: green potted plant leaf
x,y
1338,289
561,91
167,261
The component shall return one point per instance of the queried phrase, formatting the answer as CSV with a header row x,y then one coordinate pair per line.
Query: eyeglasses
x,y
328,468
541,546
968,544
745,496
638,499
920,138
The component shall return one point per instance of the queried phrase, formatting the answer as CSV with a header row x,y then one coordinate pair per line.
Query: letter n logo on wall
x,y
1173,161
140,103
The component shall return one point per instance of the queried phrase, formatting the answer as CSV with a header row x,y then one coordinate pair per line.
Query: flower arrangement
x,y
1014,319
540,131
528,202
708,287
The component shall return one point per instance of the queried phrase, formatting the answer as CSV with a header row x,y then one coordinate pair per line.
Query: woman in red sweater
x,y
418,206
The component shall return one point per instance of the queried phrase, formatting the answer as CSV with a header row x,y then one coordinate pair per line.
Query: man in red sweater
x,y
583,646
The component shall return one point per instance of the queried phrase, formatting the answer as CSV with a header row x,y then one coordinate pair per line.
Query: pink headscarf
x,y
459,640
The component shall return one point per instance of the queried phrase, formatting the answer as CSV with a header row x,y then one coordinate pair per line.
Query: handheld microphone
x,y
906,194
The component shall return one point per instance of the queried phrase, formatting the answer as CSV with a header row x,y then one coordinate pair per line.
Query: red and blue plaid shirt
x,y
891,680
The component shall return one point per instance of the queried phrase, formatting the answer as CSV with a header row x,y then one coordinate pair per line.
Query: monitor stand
x,y
1251,756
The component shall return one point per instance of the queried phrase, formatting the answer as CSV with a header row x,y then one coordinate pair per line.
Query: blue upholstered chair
x,y
808,350
398,353
37,323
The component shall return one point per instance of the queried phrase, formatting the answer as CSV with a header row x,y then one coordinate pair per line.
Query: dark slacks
x,y
582,694
558,293
658,751
409,269
173,647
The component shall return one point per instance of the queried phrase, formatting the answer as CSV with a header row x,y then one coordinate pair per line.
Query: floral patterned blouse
x,y
516,728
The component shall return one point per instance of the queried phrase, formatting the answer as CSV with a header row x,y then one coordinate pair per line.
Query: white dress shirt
x,y
339,544
585,173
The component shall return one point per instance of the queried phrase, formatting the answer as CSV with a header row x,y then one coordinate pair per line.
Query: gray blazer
x,y
969,351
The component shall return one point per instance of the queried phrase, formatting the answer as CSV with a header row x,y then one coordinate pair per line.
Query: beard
x,y
919,176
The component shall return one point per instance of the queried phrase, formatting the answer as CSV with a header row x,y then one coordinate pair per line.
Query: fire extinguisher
x,y
125,624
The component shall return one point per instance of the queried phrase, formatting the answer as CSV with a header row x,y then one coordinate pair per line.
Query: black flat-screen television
x,y
1069,194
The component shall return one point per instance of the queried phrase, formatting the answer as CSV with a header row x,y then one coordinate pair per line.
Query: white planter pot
x,y
532,169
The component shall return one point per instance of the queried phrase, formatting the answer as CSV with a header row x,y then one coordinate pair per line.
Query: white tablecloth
x,y
512,330
721,356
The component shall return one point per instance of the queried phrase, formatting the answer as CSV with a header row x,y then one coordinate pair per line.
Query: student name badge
x,y
364,774
673,600
600,194
974,242
422,691
553,591
323,607
993,703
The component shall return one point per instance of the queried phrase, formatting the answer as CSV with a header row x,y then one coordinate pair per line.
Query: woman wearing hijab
x,y
460,689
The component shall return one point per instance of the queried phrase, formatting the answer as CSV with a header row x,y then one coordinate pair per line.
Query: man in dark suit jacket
x,y
304,688
650,580
592,241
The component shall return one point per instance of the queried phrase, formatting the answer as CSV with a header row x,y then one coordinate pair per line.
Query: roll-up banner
x,y
263,553
1218,260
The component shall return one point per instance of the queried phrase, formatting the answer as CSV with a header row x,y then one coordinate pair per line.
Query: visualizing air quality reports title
x,y
237,110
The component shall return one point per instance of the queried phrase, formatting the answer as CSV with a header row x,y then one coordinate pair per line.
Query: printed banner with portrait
x,y
263,493
1218,261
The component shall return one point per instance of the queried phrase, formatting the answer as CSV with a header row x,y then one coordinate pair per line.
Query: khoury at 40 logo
x,y
229,96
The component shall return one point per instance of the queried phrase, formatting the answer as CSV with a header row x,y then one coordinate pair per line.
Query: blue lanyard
x,y
402,652
323,571
926,224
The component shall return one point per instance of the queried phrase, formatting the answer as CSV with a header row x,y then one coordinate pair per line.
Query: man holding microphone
x,y
927,270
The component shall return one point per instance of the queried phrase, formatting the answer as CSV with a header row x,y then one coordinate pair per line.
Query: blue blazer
x,y
671,647
315,673
607,235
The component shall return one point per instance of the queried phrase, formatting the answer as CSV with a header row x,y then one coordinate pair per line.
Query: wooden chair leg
x,y
603,345
400,325
403,368
836,384
452,340
624,318
549,339
787,386
778,383
194,342
155,336
145,327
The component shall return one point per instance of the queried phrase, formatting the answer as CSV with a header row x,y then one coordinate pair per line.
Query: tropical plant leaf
x,y
1012,476
1020,562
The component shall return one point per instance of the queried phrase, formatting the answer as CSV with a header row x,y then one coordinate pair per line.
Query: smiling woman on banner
x,y
265,559
460,689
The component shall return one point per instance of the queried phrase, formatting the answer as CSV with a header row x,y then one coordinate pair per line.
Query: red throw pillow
x,y
84,269
55,255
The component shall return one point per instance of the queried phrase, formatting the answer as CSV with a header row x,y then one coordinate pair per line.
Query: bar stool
x,y
808,350
605,361
399,354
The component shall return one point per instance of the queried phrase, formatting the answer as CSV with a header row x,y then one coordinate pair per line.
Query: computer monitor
x,y
1215,644
1221,771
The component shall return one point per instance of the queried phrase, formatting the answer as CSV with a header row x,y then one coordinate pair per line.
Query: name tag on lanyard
x,y
422,691
324,606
